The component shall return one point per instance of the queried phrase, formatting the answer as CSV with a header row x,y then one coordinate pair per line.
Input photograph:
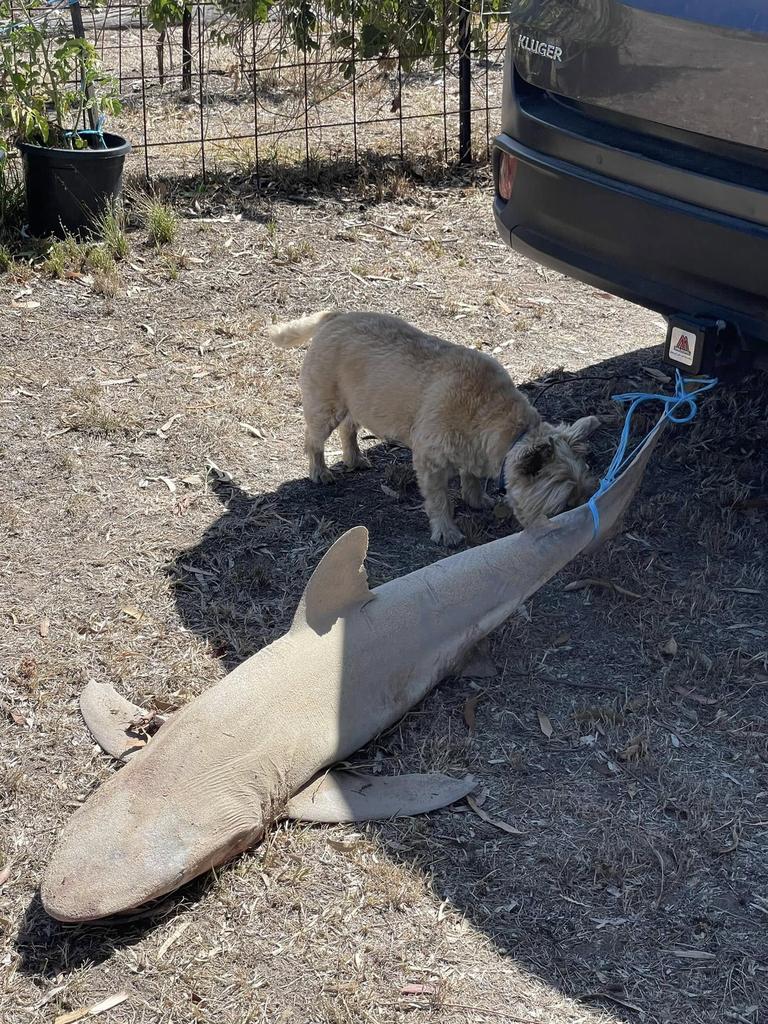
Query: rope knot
x,y
682,399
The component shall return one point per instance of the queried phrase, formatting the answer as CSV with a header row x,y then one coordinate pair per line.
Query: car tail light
x,y
507,173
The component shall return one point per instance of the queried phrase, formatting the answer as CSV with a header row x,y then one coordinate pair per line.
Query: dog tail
x,y
296,333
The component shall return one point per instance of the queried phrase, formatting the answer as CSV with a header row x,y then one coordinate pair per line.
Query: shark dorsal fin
x,y
338,583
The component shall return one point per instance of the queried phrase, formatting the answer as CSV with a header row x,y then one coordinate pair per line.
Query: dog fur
x,y
455,408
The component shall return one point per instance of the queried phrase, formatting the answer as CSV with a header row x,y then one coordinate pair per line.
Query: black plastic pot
x,y
67,189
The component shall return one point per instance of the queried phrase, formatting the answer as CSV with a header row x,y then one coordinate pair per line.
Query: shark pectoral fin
x,y
479,664
344,796
338,583
113,721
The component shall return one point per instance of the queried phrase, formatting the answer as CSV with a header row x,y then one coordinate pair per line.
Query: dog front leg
x,y
473,492
433,483
350,451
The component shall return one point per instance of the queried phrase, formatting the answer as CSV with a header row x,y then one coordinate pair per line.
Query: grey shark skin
x,y
354,661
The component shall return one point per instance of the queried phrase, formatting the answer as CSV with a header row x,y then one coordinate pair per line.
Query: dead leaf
x,y
163,430
45,627
669,648
698,697
469,713
563,638
132,612
591,581
253,431
169,483
195,480
340,988
636,749
29,304
693,954
16,716
172,938
545,725
496,822
659,375
92,1011
417,989
342,847
733,846
5,873
49,997
499,303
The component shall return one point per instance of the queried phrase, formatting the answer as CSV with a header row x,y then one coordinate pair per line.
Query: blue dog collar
x,y
502,481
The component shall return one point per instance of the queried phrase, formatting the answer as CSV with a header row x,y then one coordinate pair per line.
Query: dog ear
x,y
533,459
581,429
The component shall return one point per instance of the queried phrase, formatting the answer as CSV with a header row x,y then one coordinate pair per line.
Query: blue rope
x,y
681,397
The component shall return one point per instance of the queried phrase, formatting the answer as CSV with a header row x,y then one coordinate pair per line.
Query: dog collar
x,y
502,481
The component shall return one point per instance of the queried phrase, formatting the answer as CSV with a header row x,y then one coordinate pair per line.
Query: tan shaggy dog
x,y
455,408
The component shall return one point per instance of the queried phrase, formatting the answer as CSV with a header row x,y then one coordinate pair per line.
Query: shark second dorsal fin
x,y
338,583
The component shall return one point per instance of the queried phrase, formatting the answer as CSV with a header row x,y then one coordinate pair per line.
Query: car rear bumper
x,y
650,247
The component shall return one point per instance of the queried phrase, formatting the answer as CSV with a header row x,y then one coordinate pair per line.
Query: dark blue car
x,y
634,156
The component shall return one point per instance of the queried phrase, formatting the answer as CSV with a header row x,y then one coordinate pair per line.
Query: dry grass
x,y
158,528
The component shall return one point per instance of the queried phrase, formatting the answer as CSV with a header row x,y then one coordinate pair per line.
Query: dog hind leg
x,y
320,424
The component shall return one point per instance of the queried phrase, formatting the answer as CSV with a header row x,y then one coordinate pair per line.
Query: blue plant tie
x,y
98,130
681,397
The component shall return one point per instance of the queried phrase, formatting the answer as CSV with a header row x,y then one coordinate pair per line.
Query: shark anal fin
x,y
338,583
113,721
345,796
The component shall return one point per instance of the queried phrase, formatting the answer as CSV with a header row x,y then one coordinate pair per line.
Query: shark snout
x,y
106,864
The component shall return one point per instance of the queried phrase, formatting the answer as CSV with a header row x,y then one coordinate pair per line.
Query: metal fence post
x,y
186,49
465,86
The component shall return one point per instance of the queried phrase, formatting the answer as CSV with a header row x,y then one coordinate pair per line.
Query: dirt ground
x,y
157,527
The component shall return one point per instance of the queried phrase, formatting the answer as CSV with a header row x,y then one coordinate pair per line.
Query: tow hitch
x,y
704,345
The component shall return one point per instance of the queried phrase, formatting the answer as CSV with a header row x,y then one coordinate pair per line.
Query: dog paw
x,y
361,462
322,476
480,502
448,534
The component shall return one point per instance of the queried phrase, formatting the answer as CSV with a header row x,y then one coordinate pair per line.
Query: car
x,y
633,155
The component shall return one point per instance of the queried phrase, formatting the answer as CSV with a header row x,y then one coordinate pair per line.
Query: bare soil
x,y
157,527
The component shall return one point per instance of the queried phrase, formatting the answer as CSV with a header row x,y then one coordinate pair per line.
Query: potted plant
x,y
55,95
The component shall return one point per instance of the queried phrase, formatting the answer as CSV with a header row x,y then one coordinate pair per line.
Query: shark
x,y
261,744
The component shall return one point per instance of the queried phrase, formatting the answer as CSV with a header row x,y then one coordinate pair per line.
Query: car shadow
x,y
564,896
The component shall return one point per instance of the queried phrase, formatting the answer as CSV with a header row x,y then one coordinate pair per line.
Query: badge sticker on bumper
x,y
682,346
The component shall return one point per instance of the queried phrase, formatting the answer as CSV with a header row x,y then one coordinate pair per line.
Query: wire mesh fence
x,y
213,87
